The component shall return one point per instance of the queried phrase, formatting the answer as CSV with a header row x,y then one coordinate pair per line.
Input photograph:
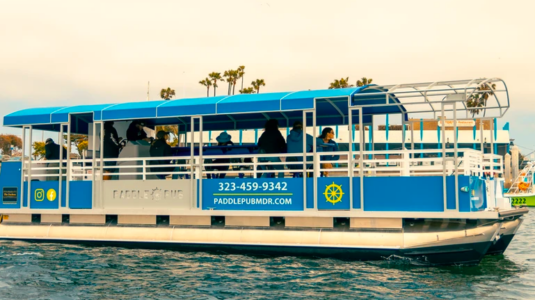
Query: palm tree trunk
x,y
233,88
207,91
242,82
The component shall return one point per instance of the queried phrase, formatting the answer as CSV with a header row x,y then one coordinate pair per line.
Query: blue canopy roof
x,y
229,112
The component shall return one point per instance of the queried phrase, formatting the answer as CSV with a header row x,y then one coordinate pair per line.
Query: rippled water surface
x,y
56,271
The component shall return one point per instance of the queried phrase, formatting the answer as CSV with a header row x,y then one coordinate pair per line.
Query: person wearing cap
x,y
160,148
224,139
295,145
135,132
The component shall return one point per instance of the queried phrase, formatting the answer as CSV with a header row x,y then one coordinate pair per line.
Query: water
x,y
55,271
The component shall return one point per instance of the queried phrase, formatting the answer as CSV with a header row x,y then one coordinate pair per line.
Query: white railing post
x,y
405,164
255,167
144,169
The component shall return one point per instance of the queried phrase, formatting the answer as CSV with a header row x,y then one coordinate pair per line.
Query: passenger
x,y
112,145
295,145
52,153
52,150
135,132
325,143
160,148
224,139
272,142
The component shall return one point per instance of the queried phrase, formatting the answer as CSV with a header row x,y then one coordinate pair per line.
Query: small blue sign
x,y
333,193
253,194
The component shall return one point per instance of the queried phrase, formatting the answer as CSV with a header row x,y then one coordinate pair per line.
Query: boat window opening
x,y
277,222
36,218
162,220
218,221
111,219
341,223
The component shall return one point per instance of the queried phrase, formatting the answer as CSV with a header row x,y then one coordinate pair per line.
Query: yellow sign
x,y
51,195
39,195
333,193
460,123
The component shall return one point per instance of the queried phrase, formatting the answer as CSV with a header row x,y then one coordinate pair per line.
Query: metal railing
x,y
424,162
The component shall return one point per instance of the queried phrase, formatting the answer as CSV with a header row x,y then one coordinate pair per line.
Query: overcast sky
x,y
79,52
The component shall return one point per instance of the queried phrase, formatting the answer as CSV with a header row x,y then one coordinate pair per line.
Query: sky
x,y
80,52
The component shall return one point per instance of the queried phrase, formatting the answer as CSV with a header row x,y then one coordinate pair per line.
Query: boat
x,y
522,192
428,206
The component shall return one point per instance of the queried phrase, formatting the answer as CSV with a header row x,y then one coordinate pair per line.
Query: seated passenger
x,y
224,139
295,145
135,132
325,143
272,142
160,148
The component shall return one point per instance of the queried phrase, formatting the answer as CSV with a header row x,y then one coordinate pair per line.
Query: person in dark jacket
x,y
295,145
112,144
160,148
135,132
52,153
52,150
325,143
272,142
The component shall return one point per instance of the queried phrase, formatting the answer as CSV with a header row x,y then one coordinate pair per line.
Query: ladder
x,y
526,175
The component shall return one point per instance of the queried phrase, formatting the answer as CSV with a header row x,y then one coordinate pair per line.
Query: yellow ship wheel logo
x,y
333,193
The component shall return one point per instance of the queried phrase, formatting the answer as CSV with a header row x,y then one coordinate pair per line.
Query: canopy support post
x,y
304,158
60,179
361,157
316,159
29,167
68,180
350,158
22,173
101,152
93,163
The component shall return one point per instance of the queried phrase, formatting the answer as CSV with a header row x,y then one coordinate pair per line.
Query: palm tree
x,y
215,76
241,72
340,84
364,81
248,90
234,75
207,83
334,85
257,84
167,94
479,98
227,75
